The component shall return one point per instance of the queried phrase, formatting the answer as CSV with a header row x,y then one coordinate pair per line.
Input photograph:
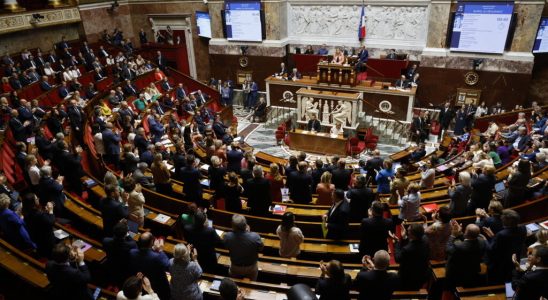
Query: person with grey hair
x,y
373,281
140,177
460,195
257,190
244,247
51,190
185,272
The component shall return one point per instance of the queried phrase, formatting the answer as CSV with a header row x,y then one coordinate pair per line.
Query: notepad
x,y
204,167
532,227
215,285
219,232
204,182
354,248
161,218
60,234
90,182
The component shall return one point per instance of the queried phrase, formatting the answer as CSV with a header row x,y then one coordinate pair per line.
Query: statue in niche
x,y
311,107
325,113
342,112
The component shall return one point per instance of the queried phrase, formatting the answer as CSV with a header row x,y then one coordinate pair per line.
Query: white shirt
x,y
49,71
67,76
121,296
98,141
34,175
335,131
75,73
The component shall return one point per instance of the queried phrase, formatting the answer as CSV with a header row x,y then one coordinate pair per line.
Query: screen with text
x,y
481,26
243,21
203,22
541,41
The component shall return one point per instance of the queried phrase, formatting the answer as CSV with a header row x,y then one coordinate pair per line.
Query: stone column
x,y
12,6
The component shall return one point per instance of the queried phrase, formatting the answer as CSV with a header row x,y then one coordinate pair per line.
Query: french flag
x,y
361,29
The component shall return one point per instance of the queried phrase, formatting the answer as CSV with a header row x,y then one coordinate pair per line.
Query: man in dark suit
x,y
130,89
374,230
18,128
39,223
337,216
401,83
112,210
300,184
283,70
313,124
44,84
521,141
464,256
419,127
190,177
70,166
532,284
234,158
180,93
102,52
258,192
141,142
219,128
68,277
360,197
316,174
76,117
204,239
507,242
294,75
373,164
151,260
445,117
391,54
166,86
51,190
111,142
51,58
160,61
63,91
373,282
15,83
341,175
412,253
117,248
411,71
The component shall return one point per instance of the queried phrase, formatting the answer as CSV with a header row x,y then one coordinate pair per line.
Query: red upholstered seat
x,y
355,146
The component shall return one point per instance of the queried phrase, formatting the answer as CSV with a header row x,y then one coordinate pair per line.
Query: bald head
x,y
472,232
381,260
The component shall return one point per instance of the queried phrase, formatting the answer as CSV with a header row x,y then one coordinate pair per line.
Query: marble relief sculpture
x,y
311,108
383,22
342,112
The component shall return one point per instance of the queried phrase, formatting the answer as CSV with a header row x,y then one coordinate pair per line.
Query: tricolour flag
x,y
361,29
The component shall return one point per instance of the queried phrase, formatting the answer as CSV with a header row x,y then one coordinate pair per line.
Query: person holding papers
x,y
336,130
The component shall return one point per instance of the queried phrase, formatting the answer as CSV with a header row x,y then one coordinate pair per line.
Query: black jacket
x,y
360,201
300,185
117,263
204,239
464,258
112,212
373,235
337,221
68,282
414,263
530,285
482,190
506,242
40,228
376,284
341,178
258,195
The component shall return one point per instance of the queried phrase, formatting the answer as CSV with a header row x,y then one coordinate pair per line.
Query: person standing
x,y
337,216
336,285
185,272
244,247
257,190
374,230
412,253
69,278
373,282
291,237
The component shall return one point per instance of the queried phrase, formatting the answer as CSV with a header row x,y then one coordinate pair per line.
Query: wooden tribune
x,y
335,74
319,142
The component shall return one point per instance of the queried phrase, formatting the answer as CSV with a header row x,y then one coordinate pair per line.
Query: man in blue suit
x,y
151,260
234,158
111,141
130,89
166,87
253,94
44,84
190,177
156,128
63,90
68,278
180,93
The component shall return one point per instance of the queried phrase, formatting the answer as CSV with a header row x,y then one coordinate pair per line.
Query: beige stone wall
x,y
44,38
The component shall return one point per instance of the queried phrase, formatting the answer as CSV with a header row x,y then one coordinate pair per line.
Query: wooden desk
x,y
336,74
320,142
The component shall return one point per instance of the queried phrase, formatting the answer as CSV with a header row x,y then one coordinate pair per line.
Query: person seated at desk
x,y
391,54
309,50
323,50
294,75
363,55
338,58
411,71
413,82
313,124
401,83
336,130
283,70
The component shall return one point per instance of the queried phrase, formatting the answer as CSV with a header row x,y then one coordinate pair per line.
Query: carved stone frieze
x,y
25,21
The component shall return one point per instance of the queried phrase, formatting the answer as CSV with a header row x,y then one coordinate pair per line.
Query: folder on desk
x,y
430,207
279,209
